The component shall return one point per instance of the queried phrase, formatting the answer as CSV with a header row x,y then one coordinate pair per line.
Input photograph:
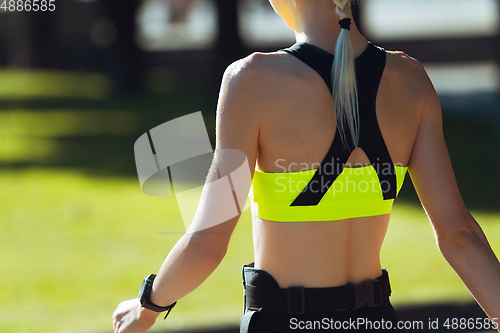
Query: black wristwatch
x,y
145,297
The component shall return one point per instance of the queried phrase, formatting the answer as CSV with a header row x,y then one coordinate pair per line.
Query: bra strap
x,y
316,58
371,139
369,69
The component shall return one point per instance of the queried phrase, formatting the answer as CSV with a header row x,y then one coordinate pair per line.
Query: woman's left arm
x,y
459,237
196,255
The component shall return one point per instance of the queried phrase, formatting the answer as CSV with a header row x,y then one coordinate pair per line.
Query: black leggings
x,y
376,319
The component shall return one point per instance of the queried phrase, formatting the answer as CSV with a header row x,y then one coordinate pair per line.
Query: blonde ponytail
x,y
345,90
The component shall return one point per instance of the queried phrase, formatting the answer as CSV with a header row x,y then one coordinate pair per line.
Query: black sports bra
x,y
310,202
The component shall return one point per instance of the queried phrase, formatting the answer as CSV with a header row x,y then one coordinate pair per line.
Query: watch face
x,y
141,291
145,290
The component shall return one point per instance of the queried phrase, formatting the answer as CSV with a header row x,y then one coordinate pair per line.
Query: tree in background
x,y
30,42
229,45
130,62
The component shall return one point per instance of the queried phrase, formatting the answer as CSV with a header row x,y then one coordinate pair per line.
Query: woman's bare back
x,y
296,131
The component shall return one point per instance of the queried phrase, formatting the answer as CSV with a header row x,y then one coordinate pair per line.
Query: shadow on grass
x,y
100,148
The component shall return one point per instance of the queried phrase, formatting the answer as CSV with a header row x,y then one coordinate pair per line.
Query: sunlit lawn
x,y
72,247
73,244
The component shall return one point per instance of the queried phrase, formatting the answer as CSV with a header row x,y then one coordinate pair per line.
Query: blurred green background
x,y
77,235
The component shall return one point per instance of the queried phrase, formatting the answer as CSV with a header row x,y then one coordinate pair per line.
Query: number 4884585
x,y
28,5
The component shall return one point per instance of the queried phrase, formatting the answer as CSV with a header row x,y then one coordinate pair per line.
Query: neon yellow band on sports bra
x,y
357,192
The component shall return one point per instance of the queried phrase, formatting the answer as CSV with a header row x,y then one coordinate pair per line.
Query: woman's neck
x,y
319,26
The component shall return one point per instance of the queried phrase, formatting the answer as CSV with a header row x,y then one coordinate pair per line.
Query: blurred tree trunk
x,y
496,128
31,39
229,44
44,49
498,37
18,44
129,67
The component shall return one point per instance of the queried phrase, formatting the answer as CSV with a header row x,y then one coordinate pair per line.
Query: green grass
x,y
73,246
21,130
22,83
418,272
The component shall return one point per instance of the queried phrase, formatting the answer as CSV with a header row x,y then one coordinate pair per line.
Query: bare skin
x,y
272,106
298,129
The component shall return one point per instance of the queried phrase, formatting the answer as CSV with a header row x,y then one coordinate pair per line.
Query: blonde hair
x,y
345,90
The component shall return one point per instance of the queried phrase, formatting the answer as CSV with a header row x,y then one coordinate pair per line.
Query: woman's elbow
x,y
456,231
457,241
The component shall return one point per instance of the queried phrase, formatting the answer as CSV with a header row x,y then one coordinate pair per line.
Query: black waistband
x,y
268,296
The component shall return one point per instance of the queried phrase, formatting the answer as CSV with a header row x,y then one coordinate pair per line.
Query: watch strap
x,y
145,297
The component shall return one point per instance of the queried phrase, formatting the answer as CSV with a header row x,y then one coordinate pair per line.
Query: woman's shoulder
x,y
266,67
257,60
252,84
270,77
404,68
406,77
